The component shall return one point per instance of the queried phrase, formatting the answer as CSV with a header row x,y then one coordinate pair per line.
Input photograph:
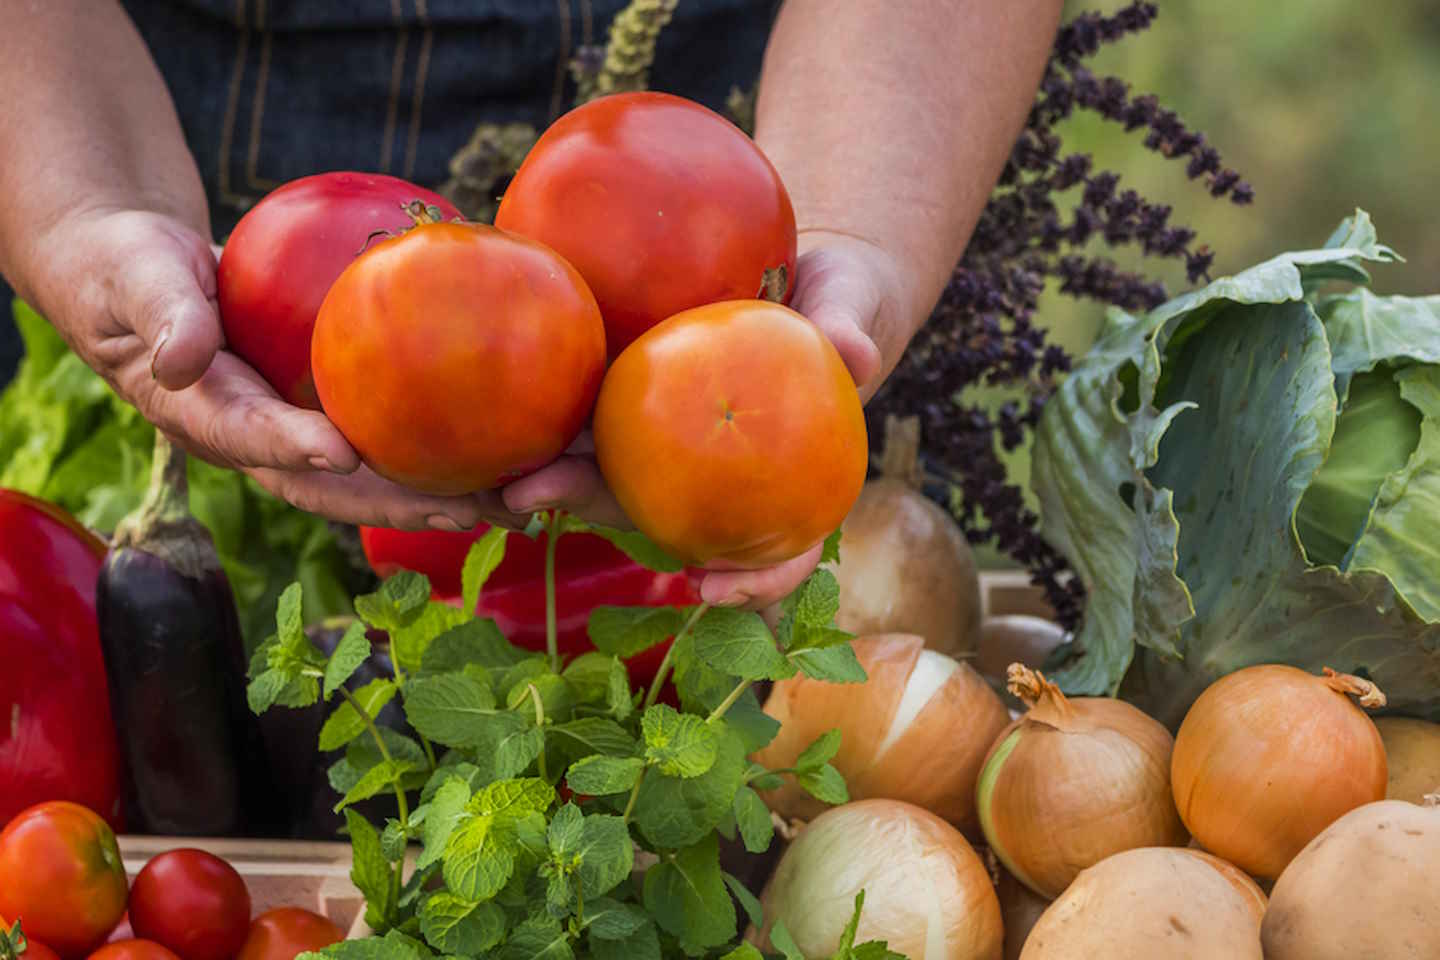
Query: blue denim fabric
x,y
271,90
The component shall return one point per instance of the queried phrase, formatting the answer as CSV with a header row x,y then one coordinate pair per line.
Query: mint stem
x,y
634,795
540,725
402,806
666,664
729,701
552,636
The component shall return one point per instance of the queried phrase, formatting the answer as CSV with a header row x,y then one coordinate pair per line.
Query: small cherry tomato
x,y
661,204
133,950
456,357
286,932
61,876
193,903
282,256
732,434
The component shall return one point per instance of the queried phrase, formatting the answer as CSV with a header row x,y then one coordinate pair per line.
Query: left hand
x,y
848,287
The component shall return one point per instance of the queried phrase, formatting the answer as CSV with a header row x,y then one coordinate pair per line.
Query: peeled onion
x,y
1072,782
926,892
905,566
1269,756
1147,904
1020,909
916,730
1367,886
1412,757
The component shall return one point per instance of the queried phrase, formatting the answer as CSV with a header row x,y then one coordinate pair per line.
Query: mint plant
x,y
558,813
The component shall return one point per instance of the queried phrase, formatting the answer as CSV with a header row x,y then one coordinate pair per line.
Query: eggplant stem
x,y
163,525
1366,693
666,664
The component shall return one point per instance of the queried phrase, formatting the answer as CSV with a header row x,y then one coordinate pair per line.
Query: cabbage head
x,y
1250,473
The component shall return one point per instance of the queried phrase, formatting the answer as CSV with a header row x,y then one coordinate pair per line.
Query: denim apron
x,y
271,90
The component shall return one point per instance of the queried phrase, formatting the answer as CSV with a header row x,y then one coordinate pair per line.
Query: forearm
x,y
87,124
891,122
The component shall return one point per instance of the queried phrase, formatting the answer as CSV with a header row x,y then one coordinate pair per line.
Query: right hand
x,y
134,294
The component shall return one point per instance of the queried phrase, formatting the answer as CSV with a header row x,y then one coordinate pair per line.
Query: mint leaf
x,y
556,696
597,776
559,895
274,686
847,936
637,547
804,636
753,910
817,599
625,631
450,708
674,812
345,724
393,840
821,752
678,744
686,896
832,664
396,604
508,800
483,557
607,854
513,748
350,653
618,697
753,819
643,944
289,619
874,950
477,862
376,779
538,939
743,952
594,735
370,871
608,919
824,784
781,940
747,718
830,551
390,947
738,643
409,643
565,830
477,641
454,925
589,677
447,808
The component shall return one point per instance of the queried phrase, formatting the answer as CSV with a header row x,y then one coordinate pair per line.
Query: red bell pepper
x,y
57,741
589,572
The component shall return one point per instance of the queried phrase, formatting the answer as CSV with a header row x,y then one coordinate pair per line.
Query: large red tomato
x,y
732,434
133,950
457,357
61,876
285,253
286,932
661,204
192,902
57,740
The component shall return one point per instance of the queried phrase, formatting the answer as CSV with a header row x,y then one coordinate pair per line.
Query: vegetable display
x,y
1242,475
193,903
56,737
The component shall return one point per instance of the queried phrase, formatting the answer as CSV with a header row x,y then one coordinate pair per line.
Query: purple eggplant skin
x,y
175,659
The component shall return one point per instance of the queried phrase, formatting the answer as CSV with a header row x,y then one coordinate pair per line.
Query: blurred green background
x,y
1322,105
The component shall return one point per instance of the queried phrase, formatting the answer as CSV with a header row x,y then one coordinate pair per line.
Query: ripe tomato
x,y
286,932
192,902
285,253
133,950
34,949
732,434
57,739
61,876
661,204
456,357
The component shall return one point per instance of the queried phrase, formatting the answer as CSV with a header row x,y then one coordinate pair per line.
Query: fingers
x,y
366,498
167,301
571,483
757,589
842,323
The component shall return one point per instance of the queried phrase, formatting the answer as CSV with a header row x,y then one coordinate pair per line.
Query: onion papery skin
x,y
1153,903
927,893
1072,782
1412,757
1367,886
931,757
1269,756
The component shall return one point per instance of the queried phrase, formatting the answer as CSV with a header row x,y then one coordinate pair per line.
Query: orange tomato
x,y
133,950
61,876
456,357
732,434
661,204
286,932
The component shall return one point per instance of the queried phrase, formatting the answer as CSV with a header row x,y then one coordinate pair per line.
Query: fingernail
x,y
155,355
438,521
323,463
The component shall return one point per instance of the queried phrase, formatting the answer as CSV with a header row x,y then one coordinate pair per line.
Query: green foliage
x,y
525,873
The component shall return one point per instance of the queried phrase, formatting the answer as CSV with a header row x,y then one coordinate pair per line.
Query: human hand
x,y
134,294
851,290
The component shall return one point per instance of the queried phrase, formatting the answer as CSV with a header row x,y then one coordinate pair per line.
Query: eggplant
x,y
176,668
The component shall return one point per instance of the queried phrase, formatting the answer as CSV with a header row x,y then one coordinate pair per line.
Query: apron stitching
x,y
257,116
562,64
397,76
417,103
232,107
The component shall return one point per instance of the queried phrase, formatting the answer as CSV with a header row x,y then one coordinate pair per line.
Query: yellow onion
x,y
1412,756
1367,886
1269,756
906,567
1154,903
926,892
1020,909
916,730
1072,782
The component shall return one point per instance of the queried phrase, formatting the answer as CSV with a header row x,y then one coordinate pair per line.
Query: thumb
x,y
841,323
167,300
